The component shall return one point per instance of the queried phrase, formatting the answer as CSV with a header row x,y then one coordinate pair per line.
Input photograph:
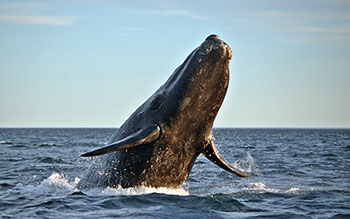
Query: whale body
x,y
159,143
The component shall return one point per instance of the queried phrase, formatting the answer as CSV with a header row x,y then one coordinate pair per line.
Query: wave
x,y
47,144
55,183
259,187
60,183
5,142
135,191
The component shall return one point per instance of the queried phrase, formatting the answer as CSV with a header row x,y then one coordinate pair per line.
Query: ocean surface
x,y
296,173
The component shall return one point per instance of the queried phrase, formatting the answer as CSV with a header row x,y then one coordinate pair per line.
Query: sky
x,y
91,63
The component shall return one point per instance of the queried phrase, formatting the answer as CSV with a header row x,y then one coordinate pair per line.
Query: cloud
x,y
30,13
38,20
335,34
167,12
343,30
306,27
17,8
126,32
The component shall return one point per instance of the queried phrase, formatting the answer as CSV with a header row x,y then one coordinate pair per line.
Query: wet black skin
x,y
181,114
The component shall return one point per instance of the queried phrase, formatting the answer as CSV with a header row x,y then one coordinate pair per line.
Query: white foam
x,y
262,188
135,191
59,183
5,142
293,190
55,183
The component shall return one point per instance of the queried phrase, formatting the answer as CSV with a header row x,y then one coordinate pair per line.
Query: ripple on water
x,y
51,160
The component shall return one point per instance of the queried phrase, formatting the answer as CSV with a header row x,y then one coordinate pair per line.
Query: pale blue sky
x,y
90,63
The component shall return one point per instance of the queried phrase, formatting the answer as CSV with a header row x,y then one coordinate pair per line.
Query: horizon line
x,y
222,127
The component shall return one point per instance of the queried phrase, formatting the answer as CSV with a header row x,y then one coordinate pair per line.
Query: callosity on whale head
x,y
159,143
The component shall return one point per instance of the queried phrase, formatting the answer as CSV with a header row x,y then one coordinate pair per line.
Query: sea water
x,y
302,173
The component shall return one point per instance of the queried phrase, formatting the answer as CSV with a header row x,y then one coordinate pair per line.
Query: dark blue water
x,y
295,173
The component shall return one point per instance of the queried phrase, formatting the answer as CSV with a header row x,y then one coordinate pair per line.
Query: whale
x,y
159,143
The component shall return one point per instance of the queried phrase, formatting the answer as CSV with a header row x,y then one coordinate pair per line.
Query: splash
x,y
56,183
59,183
135,191
246,165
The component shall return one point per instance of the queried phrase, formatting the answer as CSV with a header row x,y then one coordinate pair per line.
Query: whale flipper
x,y
211,153
141,137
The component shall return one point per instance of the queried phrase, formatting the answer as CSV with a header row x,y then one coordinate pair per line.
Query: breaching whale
x,y
159,143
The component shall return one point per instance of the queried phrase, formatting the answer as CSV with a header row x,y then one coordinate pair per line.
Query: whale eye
x,y
157,102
